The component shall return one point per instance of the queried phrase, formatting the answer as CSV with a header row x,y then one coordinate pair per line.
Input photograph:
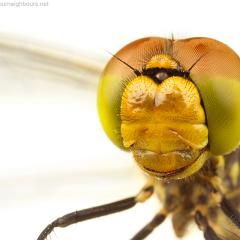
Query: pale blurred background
x,y
54,155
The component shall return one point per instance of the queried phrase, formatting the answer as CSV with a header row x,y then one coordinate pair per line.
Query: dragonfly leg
x,y
148,229
99,211
208,232
230,211
216,188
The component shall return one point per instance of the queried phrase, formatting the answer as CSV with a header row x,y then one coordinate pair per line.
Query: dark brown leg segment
x,y
146,230
99,211
230,211
208,232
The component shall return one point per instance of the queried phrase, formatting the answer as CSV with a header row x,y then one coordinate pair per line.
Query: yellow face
x,y
162,120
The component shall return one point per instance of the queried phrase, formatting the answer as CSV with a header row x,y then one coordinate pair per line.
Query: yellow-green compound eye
x,y
109,99
216,75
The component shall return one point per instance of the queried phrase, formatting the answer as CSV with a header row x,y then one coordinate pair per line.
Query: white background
x,y
54,155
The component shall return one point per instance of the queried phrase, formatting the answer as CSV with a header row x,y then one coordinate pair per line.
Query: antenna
x,y
137,72
197,61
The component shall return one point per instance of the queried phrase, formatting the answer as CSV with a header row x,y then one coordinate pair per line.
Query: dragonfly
x,y
207,193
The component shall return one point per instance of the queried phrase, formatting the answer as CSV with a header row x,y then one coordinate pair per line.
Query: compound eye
x,y
217,77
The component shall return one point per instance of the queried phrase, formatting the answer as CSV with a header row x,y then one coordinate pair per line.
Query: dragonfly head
x,y
172,103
